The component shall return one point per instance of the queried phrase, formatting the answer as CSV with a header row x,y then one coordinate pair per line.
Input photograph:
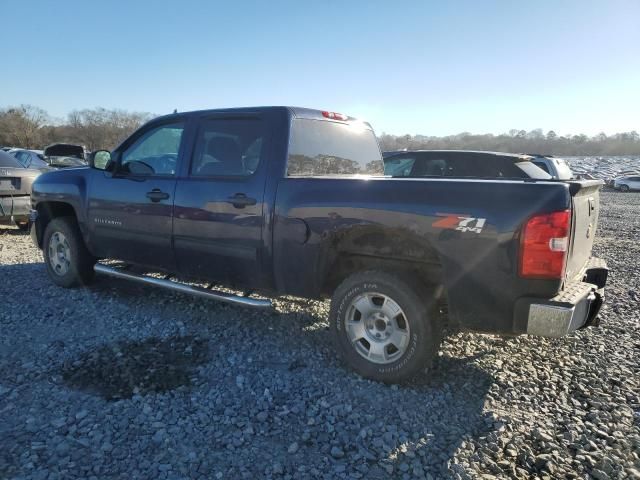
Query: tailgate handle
x,y
592,205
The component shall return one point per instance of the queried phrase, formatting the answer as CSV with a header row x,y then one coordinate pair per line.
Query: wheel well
x,y
47,211
369,247
427,273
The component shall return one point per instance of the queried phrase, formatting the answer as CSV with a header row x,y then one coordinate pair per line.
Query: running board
x,y
182,288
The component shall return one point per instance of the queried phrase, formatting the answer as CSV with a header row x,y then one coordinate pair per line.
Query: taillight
x,y
335,116
544,245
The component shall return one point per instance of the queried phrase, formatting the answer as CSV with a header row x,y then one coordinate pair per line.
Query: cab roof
x,y
295,112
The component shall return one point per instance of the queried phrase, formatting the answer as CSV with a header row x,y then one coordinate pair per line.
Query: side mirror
x,y
101,160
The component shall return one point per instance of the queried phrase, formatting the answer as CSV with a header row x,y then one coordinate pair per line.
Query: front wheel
x,y
624,188
385,326
68,261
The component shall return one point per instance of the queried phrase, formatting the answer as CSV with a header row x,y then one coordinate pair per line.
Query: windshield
x,y
533,170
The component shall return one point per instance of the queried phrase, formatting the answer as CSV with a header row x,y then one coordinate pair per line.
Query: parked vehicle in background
x,y
586,176
30,158
626,184
293,201
59,155
461,164
63,155
15,189
558,168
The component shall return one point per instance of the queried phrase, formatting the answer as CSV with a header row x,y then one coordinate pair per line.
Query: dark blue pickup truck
x,y
292,201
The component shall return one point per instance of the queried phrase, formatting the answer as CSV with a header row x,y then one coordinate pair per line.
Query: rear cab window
x,y
328,148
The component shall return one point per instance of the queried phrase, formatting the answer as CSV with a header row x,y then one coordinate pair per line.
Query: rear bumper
x,y
15,208
577,306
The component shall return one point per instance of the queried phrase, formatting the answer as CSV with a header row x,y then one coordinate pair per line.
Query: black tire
x,y
419,308
624,188
80,261
23,226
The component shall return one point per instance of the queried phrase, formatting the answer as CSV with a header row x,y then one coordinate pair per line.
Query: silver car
x,y
15,190
627,184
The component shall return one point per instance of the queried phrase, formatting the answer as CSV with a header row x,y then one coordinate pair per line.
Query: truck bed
x,y
320,221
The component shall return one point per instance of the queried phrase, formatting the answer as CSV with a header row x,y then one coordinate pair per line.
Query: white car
x,y
626,184
554,166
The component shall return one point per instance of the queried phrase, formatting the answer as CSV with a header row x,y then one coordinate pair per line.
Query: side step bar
x,y
182,288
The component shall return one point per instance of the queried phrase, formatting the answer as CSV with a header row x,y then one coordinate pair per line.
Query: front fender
x,y
59,193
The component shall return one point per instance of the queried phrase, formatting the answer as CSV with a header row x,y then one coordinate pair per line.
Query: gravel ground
x,y
124,381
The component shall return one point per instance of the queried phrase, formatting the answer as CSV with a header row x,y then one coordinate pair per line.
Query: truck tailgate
x,y
585,196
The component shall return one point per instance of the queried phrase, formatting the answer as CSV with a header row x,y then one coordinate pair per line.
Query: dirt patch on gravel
x,y
123,369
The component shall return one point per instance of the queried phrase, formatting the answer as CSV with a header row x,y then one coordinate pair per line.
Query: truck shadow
x,y
119,370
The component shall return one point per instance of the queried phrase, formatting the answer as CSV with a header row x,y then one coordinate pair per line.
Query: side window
x,y
23,158
229,147
399,166
155,152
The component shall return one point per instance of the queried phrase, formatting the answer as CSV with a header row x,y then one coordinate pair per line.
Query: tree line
x,y
521,141
28,126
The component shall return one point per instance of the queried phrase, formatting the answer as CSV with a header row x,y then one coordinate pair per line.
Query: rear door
x,y
219,201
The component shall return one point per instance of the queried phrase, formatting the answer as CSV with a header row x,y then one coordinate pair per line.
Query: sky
x,y
407,67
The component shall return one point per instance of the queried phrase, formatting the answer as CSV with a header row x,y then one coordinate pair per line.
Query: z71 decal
x,y
460,222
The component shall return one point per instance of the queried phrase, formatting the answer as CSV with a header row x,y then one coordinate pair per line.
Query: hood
x,y
65,150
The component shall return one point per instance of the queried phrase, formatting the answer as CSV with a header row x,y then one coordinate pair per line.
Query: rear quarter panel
x,y
313,216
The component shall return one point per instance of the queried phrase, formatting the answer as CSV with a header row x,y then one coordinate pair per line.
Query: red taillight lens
x,y
335,116
544,245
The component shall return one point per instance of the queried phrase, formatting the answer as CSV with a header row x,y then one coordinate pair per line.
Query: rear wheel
x,y
68,261
384,327
624,188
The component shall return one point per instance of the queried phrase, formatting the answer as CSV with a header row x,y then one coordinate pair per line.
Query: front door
x,y
218,221
131,209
